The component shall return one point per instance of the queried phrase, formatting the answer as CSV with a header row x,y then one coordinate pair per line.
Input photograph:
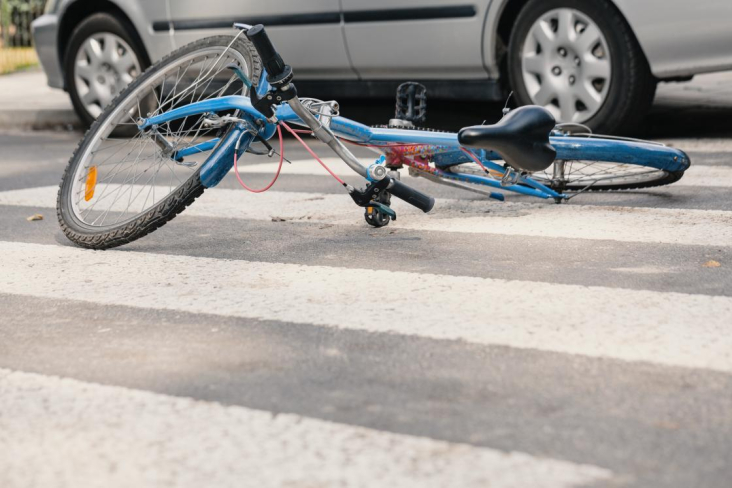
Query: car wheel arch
x,y
76,12
500,18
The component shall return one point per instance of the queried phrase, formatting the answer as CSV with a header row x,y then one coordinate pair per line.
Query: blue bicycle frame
x,y
442,148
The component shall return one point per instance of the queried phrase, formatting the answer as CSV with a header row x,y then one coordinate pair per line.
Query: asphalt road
x,y
277,340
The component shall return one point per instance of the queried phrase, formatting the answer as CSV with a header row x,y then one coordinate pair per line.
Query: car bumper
x,y
45,37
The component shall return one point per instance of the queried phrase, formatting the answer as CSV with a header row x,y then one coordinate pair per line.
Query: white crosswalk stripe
x,y
664,328
87,435
620,224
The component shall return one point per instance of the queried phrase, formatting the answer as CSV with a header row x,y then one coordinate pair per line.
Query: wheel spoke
x,y
133,173
588,39
579,174
125,63
594,68
545,95
587,94
544,35
566,105
535,64
566,22
84,70
91,96
93,50
109,50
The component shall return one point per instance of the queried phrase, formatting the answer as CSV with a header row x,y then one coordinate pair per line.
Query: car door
x,y
308,34
680,37
416,39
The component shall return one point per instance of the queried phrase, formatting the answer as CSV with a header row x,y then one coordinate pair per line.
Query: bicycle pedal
x,y
411,103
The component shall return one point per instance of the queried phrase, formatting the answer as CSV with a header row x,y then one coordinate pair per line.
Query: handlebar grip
x,y
412,196
270,58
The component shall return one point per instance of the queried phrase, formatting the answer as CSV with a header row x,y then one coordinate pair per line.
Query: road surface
x,y
277,340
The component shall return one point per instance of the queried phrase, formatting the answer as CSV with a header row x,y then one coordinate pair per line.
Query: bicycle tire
x,y
653,179
656,178
149,219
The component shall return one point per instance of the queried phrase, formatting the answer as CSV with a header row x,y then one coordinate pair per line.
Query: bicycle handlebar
x,y
268,54
411,196
278,73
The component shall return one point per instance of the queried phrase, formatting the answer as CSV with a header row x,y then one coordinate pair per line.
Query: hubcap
x,y
566,65
104,65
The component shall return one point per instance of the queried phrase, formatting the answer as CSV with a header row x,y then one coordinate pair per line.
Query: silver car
x,y
593,62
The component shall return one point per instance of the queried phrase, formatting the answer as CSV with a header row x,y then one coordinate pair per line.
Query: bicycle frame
x,y
404,147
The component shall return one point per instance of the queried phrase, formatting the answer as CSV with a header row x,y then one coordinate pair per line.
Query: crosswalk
x,y
227,446
675,329
75,431
624,224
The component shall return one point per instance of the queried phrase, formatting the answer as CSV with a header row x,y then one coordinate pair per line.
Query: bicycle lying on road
x,y
181,126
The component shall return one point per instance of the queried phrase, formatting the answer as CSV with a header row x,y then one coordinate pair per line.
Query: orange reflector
x,y
91,183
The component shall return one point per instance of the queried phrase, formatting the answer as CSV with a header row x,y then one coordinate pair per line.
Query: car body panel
x,y
45,39
682,37
679,37
46,32
143,14
429,39
354,41
313,42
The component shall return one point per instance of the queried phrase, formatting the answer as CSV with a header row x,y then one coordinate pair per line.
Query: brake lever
x,y
370,193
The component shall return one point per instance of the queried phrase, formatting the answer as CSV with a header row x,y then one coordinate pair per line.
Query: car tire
x,y
102,76
612,74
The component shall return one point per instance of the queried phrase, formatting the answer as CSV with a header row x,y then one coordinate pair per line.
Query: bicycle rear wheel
x,y
603,176
586,162
122,183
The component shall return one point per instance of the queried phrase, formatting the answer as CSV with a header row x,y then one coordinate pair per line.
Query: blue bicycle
x,y
180,127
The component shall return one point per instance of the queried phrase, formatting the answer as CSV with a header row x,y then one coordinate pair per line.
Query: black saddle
x,y
521,138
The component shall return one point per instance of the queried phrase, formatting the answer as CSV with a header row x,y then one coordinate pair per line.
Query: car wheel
x,y
102,59
580,60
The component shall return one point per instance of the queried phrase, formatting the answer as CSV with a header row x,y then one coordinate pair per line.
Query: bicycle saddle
x,y
521,138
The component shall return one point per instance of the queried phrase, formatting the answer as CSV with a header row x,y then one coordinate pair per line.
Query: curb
x,y
39,119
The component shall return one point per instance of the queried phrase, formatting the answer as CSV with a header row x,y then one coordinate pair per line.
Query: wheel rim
x,y
131,175
105,64
566,65
579,174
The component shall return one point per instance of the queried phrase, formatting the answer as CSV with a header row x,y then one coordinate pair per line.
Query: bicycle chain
x,y
424,129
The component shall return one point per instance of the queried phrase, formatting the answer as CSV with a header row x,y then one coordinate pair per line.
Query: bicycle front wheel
x,y
122,183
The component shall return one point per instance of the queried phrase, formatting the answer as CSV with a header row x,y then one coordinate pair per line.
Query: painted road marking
x,y
620,224
637,325
82,434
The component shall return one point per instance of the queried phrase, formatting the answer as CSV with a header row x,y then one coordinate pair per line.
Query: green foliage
x,y
15,19
23,5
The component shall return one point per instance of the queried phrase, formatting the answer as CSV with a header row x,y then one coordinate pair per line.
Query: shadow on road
x,y
700,108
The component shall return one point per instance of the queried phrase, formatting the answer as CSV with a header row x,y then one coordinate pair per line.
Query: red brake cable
x,y
282,158
277,174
